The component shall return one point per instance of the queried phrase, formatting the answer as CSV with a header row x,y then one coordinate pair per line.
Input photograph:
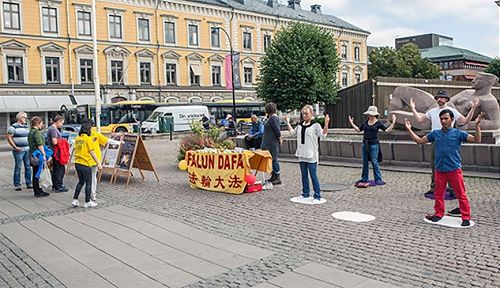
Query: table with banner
x,y
225,171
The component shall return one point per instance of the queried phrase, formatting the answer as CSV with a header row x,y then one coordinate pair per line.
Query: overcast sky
x,y
473,24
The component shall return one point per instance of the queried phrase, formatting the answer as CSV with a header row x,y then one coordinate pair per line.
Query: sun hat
x,y
372,110
442,94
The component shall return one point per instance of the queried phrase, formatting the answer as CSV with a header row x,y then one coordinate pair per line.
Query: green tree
x,y
405,62
299,68
494,67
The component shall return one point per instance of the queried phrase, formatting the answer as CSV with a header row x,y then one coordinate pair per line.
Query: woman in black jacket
x,y
271,140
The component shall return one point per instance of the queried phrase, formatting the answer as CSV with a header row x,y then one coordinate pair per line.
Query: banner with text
x,y
218,171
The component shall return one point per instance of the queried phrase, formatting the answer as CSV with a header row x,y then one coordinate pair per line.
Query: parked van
x,y
183,116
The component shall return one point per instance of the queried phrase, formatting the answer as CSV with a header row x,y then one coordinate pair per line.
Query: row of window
x,y
345,78
344,51
15,69
12,22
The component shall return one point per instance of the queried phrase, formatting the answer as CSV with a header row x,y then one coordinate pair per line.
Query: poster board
x,y
110,155
132,154
71,141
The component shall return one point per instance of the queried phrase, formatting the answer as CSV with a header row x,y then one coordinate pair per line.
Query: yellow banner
x,y
222,171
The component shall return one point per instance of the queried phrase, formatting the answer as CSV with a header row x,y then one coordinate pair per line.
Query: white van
x,y
183,116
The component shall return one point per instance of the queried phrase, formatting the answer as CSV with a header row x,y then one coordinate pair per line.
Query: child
x,y
308,133
371,146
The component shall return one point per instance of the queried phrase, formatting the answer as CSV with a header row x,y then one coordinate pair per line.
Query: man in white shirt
x,y
442,100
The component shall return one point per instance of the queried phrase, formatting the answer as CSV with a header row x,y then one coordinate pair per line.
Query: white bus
x,y
183,116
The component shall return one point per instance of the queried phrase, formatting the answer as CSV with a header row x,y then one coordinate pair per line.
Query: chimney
x,y
316,8
294,4
272,3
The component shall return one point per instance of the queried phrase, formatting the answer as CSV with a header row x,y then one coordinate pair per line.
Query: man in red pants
x,y
448,162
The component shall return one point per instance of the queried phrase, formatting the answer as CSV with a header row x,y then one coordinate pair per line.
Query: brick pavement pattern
x,y
397,248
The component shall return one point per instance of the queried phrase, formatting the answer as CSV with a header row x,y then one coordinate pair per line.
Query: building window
x,y
343,53
84,23
248,75
115,26
145,72
15,69
216,75
194,75
247,40
52,70
117,72
193,34
215,37
86,75
49,16
171,74
143,29
169,32
267,42
344,79
358,77
11,16
356,53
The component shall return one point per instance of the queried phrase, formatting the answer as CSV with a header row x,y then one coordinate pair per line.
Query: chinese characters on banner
x,y
218,171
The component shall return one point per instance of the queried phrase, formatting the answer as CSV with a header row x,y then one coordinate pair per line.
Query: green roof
x,y
445,53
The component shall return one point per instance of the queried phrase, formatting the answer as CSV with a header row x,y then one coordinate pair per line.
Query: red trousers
x,y
456,181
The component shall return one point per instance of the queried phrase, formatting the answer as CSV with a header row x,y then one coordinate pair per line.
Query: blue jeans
x,y
20,158
374,158
312,168
276,165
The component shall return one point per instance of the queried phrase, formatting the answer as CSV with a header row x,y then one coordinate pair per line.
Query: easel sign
x,y
111,153
133,154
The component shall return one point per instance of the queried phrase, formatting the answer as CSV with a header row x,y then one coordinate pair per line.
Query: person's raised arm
x,y
327,122
288,125
351,121
464,120
477,136
418,116
415,137
389,129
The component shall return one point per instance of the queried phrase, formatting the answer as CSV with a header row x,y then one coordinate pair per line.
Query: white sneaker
x,y
93,197
75,203
90,204
318,201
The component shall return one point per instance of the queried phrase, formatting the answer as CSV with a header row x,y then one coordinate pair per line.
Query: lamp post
x,y
95,63
232,66
498,4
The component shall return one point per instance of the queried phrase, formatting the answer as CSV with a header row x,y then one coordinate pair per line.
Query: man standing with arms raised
x,y
442,100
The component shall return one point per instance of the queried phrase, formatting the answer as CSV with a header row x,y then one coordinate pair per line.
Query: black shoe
x,y
455,212
433,218
273,176
429,194
18,188
465,223
276,180
42,194
29,187
62,189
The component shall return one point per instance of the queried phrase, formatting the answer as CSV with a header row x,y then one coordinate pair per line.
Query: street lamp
x,y
498,4
214,32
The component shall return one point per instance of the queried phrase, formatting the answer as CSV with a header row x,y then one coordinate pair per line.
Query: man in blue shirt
x,y
448,162
254,137
17,136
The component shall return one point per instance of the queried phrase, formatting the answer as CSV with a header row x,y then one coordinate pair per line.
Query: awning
x,y
16,103
196,69
85,99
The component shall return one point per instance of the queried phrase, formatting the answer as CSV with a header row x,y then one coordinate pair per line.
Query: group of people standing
x,y
445,149
30,149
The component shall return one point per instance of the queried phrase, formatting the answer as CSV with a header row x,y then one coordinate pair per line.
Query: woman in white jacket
x,y
308,133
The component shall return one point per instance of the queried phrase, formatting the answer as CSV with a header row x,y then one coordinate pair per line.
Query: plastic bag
x,y
45,178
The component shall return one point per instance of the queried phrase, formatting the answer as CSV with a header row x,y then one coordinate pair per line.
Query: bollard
x,y
171,128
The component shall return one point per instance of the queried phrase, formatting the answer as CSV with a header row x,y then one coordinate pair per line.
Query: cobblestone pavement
x,y
397,248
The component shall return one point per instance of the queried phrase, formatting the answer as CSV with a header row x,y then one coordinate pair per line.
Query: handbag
x,y
34,161
45,178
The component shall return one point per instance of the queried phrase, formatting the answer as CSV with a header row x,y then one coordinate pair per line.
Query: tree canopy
x,y
405,62
299,68
494,67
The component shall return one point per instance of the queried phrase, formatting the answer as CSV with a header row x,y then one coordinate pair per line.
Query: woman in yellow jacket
x,y
85,159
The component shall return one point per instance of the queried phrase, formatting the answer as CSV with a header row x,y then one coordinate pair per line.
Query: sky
x,y
473,24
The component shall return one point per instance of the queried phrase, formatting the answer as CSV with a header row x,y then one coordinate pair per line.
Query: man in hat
x,y
442,99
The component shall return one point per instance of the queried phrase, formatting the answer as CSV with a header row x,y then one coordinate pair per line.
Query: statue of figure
x,y
487,103
480,97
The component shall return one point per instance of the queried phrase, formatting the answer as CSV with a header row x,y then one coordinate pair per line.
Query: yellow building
x,y
167,51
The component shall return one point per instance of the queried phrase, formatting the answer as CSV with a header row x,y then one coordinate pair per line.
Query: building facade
x,y
167,51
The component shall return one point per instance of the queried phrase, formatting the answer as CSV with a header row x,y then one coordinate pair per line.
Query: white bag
x,y
45,178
